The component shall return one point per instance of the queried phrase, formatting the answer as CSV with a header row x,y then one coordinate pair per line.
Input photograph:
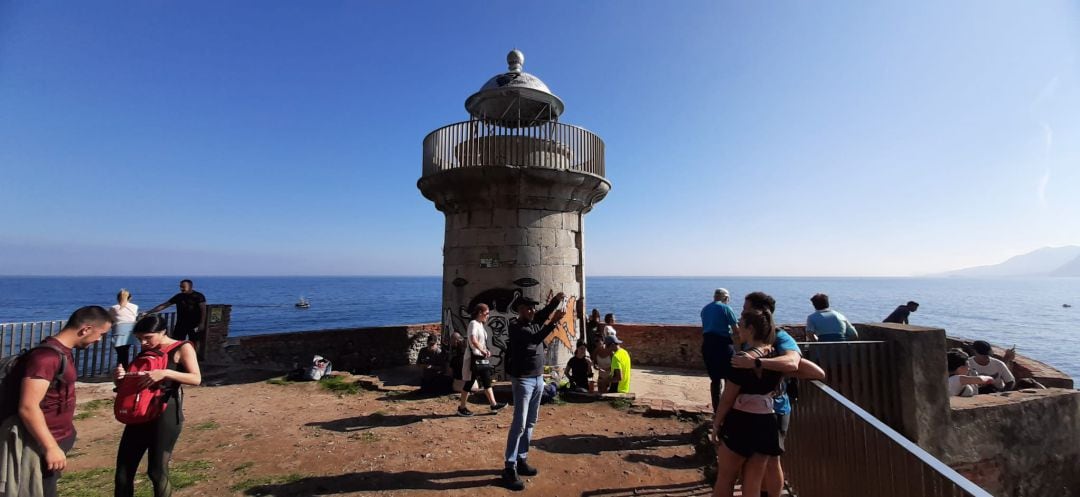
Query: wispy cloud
x,y
1048,137
1047,92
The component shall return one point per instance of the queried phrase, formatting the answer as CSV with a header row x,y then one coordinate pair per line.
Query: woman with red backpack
x,y
150,402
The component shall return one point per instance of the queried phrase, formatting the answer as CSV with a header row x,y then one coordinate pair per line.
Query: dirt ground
x,y
299,439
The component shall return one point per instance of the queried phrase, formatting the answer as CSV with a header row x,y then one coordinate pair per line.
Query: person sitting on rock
x,y
436,366
960,384
983,364
579,369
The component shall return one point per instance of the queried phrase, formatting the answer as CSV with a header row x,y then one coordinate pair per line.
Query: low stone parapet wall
x,y
1017,443
359,350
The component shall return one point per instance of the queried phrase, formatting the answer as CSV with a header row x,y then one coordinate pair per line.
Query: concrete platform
x,y
677,390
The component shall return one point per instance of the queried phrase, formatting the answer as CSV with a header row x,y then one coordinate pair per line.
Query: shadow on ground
x,y
219,375
375,420
671,462
699,489
380,480
595,444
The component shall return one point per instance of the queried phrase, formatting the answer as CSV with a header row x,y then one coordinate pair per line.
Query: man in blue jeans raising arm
x,y
525,366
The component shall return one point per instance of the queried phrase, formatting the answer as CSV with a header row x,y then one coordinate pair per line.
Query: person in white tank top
x,y
123,314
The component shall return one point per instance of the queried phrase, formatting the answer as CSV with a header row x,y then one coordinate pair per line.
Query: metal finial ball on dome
x,y
515,59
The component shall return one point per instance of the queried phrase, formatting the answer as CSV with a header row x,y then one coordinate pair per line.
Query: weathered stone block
x,y
516,236
505,218
566,238
559,256
528,256
571,221
543,237
539,218
479,218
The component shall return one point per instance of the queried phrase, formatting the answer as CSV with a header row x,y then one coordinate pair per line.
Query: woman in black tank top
x,y
157,438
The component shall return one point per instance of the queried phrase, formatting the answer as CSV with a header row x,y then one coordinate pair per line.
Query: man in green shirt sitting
x,y
620,366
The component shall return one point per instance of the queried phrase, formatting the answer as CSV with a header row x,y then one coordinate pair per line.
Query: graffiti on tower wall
x,y
501,302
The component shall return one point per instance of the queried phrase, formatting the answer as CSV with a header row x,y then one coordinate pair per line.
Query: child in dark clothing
x,y
579,369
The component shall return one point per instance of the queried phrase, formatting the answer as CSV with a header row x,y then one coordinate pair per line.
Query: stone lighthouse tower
x,y
514,184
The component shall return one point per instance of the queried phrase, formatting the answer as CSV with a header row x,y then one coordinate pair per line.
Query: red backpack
x,y
136,404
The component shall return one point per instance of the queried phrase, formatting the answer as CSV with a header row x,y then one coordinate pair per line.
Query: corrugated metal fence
x,y
863,372
837,448
96,360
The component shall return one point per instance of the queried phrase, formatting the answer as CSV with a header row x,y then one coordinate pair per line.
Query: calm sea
x,y
1025,312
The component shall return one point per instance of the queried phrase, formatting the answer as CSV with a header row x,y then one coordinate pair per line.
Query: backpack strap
x,y
58,380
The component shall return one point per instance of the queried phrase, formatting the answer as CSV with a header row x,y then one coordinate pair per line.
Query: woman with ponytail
x,y
155,438
745,423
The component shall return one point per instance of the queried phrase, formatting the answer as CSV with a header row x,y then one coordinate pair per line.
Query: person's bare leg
x,y
464,399
490,396
753,471
774,477
728,464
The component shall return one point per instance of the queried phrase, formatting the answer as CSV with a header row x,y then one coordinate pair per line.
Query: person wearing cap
x,y
525,366
900,315
620,366
717,320
827,325
983,364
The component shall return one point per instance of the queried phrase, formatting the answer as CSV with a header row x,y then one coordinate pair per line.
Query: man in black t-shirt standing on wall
x,y
190,313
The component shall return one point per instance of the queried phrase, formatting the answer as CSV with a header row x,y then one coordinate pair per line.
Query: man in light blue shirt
x,y
717,318
828,325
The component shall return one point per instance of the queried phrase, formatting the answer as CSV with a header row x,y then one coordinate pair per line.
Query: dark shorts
x,y
747,434
481,376
717,351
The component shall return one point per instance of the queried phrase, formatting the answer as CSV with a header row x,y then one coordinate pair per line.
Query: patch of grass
x,y
98,482
209,425
621,403
339,384
261,481
243,467
280,380
89,409
365,436
188,473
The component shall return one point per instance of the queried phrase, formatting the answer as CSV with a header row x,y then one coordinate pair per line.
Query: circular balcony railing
x,y
550,145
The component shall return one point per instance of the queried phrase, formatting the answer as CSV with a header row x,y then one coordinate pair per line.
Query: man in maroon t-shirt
x,y
47,403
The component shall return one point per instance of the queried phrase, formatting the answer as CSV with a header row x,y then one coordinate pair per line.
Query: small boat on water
x,y
303,303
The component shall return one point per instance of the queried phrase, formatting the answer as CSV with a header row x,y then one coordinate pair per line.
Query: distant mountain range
x,y
1047,261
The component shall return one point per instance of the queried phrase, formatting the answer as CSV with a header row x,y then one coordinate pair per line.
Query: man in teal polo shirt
x,y
828,325
717,318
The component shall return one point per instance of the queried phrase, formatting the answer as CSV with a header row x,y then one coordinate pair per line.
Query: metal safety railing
x,y
550,145
834,447
863,372
95,360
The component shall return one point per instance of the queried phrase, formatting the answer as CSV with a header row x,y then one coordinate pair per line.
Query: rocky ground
x,y
258,437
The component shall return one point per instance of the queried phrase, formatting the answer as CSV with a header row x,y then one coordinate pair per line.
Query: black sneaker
x,y
511,481
498,407
524,469
464,412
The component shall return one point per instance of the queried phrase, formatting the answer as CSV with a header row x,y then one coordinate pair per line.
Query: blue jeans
x,y
527,393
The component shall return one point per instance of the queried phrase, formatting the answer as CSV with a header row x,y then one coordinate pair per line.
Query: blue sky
x,y
743,138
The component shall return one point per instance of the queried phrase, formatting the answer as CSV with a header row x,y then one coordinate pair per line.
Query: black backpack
x,y
11,373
